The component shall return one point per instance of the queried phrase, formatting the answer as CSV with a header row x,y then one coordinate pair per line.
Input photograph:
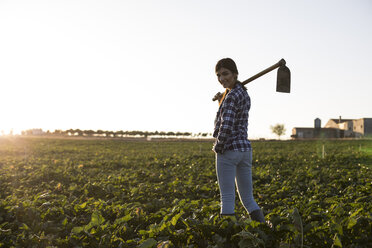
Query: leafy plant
x,y
110,193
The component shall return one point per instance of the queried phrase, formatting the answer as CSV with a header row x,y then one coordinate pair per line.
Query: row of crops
x,y
112,193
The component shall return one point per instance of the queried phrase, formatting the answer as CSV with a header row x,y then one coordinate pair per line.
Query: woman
x,y
232,147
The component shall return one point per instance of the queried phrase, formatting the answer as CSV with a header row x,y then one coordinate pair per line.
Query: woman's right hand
x,y
217,97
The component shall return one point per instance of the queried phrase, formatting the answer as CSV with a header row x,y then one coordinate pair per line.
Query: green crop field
x,y
115,193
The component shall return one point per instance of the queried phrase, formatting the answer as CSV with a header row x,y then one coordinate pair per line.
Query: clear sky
x,y
149,65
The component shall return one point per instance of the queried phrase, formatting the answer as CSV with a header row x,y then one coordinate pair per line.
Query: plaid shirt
x,y
231,123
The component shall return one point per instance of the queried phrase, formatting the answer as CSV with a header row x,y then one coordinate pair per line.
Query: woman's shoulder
x,y
239,91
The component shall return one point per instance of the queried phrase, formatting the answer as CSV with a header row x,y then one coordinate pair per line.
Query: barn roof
x,y
337,121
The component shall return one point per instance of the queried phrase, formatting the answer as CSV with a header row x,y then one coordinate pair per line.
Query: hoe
x,y
283,80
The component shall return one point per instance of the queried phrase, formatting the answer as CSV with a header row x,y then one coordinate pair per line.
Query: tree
x,y
78,132
119,133
58,131
70,132
278,129
88,132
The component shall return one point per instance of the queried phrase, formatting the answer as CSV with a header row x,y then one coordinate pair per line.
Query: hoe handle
x,y
273,67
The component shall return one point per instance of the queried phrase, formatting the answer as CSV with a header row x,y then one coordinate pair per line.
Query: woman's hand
x,y
218,97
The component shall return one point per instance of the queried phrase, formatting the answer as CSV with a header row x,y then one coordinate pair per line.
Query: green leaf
x,y
83,205
338,228
245,243
97,219
64,222
77,229
248,240
24,227
337,241
245,235
163,226
175,218
352,222
124,219
356,212
148,243
297,221
224,224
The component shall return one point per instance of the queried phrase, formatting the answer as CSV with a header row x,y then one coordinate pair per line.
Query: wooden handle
x,y
273,67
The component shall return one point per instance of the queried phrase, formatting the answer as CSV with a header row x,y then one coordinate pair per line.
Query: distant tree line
x,y
103,133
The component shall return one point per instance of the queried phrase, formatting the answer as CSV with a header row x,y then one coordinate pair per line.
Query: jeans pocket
x,y
232,156
246,159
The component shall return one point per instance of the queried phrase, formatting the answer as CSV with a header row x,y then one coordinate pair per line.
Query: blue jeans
x,y
235,167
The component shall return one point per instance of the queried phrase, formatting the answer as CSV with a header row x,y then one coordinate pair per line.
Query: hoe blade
x,y
283,81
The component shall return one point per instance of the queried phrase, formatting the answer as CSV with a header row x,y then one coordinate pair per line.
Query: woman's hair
x,y
227,63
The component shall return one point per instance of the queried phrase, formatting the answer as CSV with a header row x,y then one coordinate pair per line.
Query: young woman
x,y
232,147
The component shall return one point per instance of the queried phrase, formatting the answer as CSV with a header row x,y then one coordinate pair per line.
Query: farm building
x,y
335,128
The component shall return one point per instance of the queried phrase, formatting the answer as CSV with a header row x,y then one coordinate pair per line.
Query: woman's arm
x,y
228,113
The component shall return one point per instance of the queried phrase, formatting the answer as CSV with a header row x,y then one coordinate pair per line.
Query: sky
x,y
149,65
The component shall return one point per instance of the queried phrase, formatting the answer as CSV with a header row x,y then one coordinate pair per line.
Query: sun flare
x,y
4,131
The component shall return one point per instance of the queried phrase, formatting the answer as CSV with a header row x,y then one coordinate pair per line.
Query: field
x,y
112,193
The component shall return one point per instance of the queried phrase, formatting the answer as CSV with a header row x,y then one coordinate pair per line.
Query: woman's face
x,y
226,78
